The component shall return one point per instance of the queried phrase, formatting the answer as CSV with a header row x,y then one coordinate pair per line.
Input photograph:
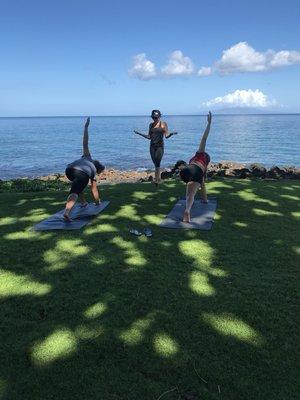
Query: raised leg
x,y
202,144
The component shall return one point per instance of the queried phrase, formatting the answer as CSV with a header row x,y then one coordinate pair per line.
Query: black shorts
x,y
78,178
192,173
157,153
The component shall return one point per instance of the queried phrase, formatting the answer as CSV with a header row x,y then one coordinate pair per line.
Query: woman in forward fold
x,y
79,172
193,173
157,131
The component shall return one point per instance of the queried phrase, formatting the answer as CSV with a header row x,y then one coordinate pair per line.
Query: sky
x,y
129,57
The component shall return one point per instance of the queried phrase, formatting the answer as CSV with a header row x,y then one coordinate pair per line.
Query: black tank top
x,y
157,136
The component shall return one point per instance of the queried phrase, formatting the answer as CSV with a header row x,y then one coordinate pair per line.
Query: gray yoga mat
x,y
80,217
201,215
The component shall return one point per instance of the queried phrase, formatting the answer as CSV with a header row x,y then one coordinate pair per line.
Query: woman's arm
x,y
166,131
95,192
142,134
86,151
171,134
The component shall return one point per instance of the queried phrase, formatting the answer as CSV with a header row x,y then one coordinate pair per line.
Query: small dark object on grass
x,y
135,232
147,232
42,313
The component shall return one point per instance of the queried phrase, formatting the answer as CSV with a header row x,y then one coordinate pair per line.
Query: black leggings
x,y
191,173
78,178
157,153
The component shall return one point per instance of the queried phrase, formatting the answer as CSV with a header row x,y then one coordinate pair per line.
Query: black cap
x,y
156,114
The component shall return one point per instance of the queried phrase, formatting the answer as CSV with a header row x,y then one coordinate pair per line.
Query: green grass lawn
x,y
100,314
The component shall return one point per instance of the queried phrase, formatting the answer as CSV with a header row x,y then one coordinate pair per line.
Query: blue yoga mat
x,y
80,217
201,215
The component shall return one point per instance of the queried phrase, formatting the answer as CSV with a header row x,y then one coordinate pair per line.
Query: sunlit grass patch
x,y
12,284
28,235
88,332
154,219
240,224
198,250
134,257
100,228
35,217
289,197
295,214
65,251
296,250
136,332
229,325
141,195
199,284
58,345
95,310
265,213
249,195
7,221
164,345
129,212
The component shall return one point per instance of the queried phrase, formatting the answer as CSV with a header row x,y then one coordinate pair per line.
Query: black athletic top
x,y
157,136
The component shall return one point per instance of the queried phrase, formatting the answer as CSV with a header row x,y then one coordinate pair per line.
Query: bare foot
x,y
186,217
67,218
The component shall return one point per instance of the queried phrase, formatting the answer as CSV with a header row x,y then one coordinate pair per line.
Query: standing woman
x,y
80,172
157,131
194,173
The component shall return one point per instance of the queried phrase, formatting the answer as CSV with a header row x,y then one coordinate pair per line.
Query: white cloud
x,y
284,58
142,68
239,58
241,98
243,58
205,71
178,65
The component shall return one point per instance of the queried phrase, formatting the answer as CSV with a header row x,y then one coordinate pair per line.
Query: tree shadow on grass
x,y
98,313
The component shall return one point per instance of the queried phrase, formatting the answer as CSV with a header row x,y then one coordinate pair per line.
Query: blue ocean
x,y
39,146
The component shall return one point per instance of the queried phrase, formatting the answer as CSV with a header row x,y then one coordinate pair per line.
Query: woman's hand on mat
x,y
209,117
87,122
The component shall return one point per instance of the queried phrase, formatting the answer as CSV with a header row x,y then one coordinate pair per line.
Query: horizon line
x,y
144,115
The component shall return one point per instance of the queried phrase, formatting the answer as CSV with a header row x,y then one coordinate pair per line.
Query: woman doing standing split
x,y
193,173
79,172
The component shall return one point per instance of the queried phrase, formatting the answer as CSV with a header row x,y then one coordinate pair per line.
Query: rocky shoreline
x,y
227,169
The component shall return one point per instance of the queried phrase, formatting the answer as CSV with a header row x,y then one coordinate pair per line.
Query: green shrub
x,y
31,185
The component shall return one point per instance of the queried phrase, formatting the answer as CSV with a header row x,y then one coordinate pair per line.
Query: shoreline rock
x,y
227,169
